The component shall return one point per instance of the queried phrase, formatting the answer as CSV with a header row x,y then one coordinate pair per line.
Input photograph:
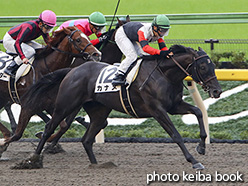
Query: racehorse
x,y
107,48
110,54
65,45
156,91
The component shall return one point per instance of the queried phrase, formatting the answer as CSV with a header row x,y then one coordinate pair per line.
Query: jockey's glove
x,y
103,38
164,53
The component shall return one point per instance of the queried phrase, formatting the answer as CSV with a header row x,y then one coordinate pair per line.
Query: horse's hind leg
x,y
185,108
98,114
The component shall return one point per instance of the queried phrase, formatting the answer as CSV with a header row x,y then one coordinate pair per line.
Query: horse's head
x,y
121,21
77,44
202,71
110,51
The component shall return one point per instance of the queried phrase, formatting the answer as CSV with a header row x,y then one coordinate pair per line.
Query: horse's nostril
x,y
217,93
96,56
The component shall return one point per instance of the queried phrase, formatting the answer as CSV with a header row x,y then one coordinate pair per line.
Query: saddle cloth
x,y
5,60
103,82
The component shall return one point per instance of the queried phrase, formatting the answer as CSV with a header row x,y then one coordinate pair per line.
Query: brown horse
x,y
65,45
156,91
48,101
107,48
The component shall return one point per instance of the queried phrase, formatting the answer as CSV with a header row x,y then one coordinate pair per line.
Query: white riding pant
x,y
130,49
28,48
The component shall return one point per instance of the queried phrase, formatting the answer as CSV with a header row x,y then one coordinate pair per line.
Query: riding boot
x,y
11,69
119,79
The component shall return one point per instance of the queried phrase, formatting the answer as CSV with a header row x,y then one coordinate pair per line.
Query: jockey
x,y
19,39
94,24
133,39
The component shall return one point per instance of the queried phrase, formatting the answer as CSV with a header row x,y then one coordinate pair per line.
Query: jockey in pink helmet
x,y
20,39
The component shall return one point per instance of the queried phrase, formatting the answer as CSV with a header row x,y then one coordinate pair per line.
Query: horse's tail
x,y
47,84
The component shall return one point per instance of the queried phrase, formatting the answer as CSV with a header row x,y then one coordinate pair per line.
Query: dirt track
x,y
123,164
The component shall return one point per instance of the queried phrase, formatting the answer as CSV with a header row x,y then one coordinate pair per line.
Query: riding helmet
x,y
48,17
97,19
161,21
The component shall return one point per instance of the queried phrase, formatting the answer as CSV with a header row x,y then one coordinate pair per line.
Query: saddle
x,y
5,60
104,84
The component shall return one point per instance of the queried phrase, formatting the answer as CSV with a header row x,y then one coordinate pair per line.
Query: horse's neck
x,y
111,53
52,62
172,71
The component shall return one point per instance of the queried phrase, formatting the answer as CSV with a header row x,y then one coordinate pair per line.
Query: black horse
x,y
157,90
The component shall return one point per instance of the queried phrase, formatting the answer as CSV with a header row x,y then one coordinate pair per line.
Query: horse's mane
x,y
176,49
56,38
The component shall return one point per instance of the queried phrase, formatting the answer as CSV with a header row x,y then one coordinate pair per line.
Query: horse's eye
x,y
78,40
202,68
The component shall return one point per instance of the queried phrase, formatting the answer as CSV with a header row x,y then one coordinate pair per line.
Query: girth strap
x,y
13,90
126,102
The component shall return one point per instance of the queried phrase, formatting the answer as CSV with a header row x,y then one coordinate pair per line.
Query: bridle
x,y
82,53
196,75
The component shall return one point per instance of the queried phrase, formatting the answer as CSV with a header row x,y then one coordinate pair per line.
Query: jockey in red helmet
x,y
19,39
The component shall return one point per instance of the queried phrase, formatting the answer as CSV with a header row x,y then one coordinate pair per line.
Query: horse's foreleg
x,y
185,108
43,116
164,120
24,118
64,126
6,133
11,117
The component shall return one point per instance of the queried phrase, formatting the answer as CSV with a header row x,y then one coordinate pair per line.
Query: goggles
x,y
162,31
98,28
47,27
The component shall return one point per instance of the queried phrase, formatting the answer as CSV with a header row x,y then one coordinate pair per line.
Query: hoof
x,y
198,166
82,121
53,149
39,135
3,148
200,150
2,141
34,162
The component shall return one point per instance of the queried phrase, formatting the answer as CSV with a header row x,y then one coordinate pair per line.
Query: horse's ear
x,y
119,21
200,49
128,18
67,31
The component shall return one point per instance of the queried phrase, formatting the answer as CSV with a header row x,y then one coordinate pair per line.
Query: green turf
x,y
107,7
234,129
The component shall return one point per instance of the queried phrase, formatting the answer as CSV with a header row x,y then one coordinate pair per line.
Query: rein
x,y
185,71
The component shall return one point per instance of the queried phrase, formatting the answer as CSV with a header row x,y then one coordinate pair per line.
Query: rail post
x,y
100,137
199,102
211,41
